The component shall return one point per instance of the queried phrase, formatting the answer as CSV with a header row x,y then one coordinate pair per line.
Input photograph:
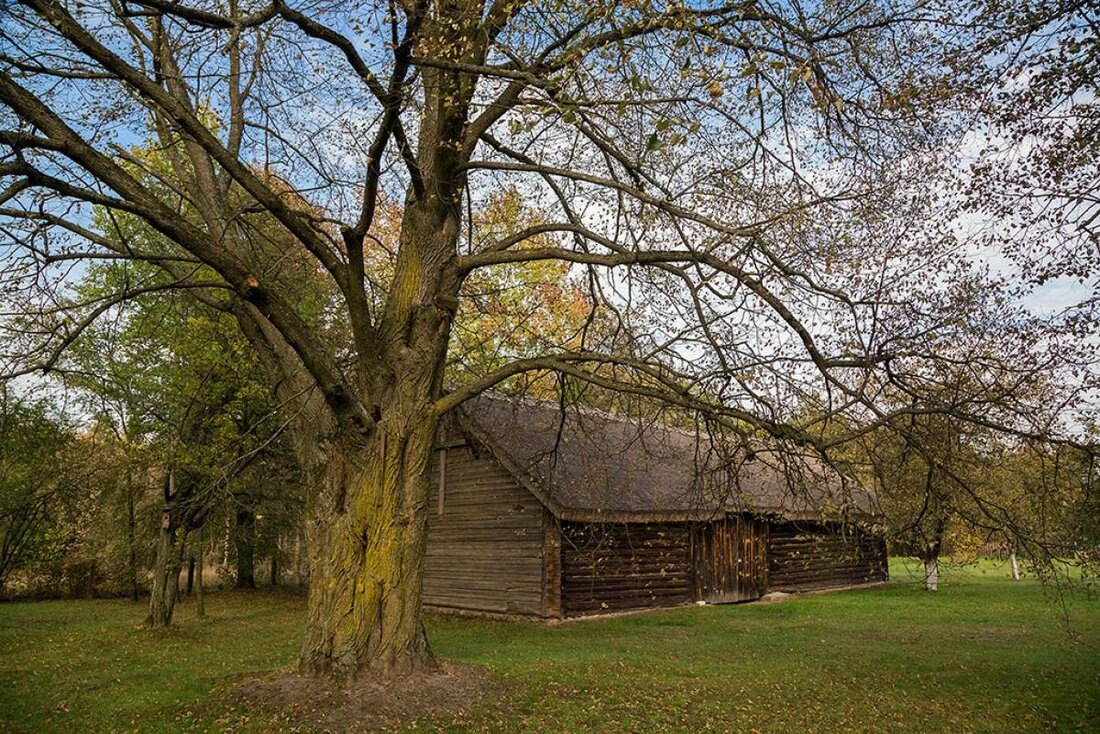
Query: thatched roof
x,y
589,465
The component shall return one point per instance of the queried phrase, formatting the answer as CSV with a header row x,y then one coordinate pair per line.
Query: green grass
x,y
984,654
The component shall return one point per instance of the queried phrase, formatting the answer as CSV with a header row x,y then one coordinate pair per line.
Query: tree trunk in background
x,y
931,547
1015,566
931,574
300,556
200,589
13,542
190,574
367,539
275,566
131,530
167,564
245,541
160,606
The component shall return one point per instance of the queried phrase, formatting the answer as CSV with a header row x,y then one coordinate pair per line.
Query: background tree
x,y
184,387
1043,494
517,311
267,507
927,493
43,470
116,510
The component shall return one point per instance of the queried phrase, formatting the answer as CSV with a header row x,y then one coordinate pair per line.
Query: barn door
x,y
728,560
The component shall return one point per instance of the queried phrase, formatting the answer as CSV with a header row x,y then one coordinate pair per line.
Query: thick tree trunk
x,y
367,538
931,574
245,540
367,528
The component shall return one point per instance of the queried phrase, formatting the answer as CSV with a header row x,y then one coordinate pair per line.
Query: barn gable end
x,y
486,537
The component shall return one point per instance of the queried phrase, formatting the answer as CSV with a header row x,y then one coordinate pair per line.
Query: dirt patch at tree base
x,y
450,693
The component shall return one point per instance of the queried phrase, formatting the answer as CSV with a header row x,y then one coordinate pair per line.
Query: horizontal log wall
x,y
607,567
485,550
804,556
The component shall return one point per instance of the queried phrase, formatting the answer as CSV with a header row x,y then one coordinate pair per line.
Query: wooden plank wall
x,y
730,559
803,556
551,570
607,567
485,551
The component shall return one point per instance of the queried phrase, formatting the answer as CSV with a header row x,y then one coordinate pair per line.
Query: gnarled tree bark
x,y
368,533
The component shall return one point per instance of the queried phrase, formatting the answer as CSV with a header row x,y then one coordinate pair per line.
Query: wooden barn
x,y
548,513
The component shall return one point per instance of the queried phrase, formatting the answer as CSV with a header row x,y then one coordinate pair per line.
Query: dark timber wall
x,y
485,538
607,567
730,559
804,556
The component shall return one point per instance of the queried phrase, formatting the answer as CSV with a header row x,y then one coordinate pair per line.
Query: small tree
x,y
924,481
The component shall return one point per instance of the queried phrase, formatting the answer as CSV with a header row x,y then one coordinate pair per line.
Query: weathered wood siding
x,y
485,539
804,556
607,567
551,568
730,559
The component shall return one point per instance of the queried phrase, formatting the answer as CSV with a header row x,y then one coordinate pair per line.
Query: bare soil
x,y
450,692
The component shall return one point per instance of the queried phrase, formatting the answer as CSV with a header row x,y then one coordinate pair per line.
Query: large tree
x,y
735,180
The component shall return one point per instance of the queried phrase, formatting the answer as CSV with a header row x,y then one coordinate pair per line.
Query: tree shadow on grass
x,y
450,694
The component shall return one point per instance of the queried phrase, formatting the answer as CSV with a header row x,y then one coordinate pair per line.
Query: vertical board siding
x,y
730,559
608,567
805,556
551,585
485,539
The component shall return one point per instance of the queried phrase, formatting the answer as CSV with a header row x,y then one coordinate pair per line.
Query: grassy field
x,y
984,654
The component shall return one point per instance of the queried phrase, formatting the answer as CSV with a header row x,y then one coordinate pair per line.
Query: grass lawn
x,y
984,654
